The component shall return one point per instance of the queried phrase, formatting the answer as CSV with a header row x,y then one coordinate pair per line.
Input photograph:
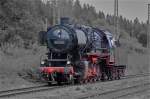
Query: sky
x,y
127,8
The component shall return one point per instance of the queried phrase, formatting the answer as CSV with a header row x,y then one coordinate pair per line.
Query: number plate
x,y
59,42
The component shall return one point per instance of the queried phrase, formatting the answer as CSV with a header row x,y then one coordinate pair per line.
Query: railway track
x,y
122,92
27,90
145,87
118,93
40,88
134,76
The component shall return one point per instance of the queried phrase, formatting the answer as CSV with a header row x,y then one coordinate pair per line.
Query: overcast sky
x,y
128,8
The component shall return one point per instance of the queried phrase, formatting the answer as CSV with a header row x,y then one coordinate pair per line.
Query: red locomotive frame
x,y
94,71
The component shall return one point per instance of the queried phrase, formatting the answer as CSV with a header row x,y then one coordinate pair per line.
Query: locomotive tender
x,y
78,53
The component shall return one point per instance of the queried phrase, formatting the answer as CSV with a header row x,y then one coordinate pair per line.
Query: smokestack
x,y
64,20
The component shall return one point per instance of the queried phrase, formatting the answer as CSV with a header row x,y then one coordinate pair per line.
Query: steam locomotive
x,y
78,54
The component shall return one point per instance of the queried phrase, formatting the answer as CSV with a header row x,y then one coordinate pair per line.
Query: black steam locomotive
x,y
78,53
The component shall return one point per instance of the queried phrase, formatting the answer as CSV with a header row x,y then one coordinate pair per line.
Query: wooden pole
x,y
116,31
148,32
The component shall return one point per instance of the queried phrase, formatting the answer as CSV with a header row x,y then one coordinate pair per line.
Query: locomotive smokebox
x,y
60,39
64,20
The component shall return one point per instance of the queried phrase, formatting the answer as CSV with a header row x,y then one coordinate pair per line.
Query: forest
x,y
21,20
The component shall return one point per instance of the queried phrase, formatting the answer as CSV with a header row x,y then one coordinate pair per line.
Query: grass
x,y
19,63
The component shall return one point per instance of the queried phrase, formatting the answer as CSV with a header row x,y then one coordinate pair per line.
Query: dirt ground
x,y
143,95
74,92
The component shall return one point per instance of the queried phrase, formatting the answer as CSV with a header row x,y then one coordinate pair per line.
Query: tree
x,y
101,15
77,9
143,39
136,27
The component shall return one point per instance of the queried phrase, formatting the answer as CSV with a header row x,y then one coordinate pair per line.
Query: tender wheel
x,y
98,78
103,77
91,80
118,77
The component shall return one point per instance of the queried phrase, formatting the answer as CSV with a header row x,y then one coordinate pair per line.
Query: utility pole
x,y
148,43
116,18
117,60
148,35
